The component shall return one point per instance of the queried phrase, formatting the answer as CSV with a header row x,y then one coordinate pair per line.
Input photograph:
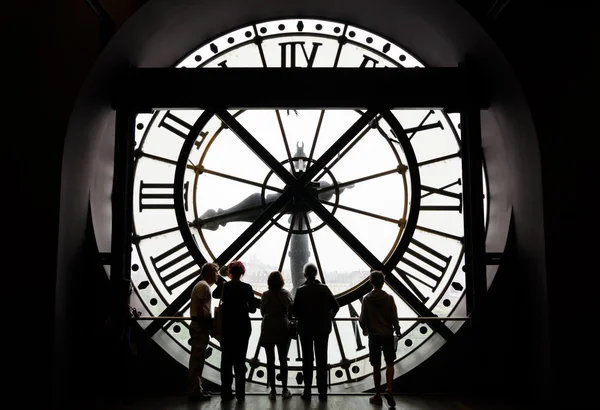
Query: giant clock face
x,y
391,191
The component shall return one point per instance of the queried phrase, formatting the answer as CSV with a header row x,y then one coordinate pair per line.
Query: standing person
x,y
237,300
276,310
379,319
200,329
314,308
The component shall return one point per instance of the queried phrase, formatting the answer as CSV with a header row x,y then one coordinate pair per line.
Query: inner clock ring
x,y
305,211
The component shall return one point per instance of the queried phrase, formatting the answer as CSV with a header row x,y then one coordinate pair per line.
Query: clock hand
x,y
246,211
250,208
326,190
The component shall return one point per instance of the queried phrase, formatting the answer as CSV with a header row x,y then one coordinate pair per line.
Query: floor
x,y
339,402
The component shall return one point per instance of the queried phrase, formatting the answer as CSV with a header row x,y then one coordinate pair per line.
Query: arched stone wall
x,y
438,31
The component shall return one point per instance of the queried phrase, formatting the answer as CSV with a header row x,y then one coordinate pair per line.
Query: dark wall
x,y
32,225
554,51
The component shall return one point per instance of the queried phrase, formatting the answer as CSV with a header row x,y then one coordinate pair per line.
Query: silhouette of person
x,y
276,310
200,311
379,319
237,302
314,308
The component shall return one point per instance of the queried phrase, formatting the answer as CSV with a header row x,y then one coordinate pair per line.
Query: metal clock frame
x,y
456,89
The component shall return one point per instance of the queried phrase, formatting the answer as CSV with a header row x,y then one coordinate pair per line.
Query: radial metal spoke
x,y
257,238
254,227
238,179
439,159
317,131
348,148
358,211
399,169
320,269
366,255
285,141
255,146
440,233
162,159
153,234
343,233
340,144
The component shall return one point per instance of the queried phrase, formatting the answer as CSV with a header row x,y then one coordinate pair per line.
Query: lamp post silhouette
x,y
299,220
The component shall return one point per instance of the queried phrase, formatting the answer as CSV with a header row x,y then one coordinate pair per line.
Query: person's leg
x,y
306,342
282,351
321,363
389,376
240,366
194,364
226,371
198,342
375,360
270,352
389,355
377,378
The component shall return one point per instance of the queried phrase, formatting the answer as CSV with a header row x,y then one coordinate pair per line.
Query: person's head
x,y
224,270
275,280
209,272
376,279
310,271
236,269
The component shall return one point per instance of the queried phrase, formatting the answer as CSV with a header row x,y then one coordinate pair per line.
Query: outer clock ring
x,y
407,360
406,231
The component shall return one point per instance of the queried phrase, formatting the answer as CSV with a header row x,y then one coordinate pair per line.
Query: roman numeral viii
x,y
175,267
423,267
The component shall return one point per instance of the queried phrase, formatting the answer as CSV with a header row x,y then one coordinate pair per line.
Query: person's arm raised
x,y
220,283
